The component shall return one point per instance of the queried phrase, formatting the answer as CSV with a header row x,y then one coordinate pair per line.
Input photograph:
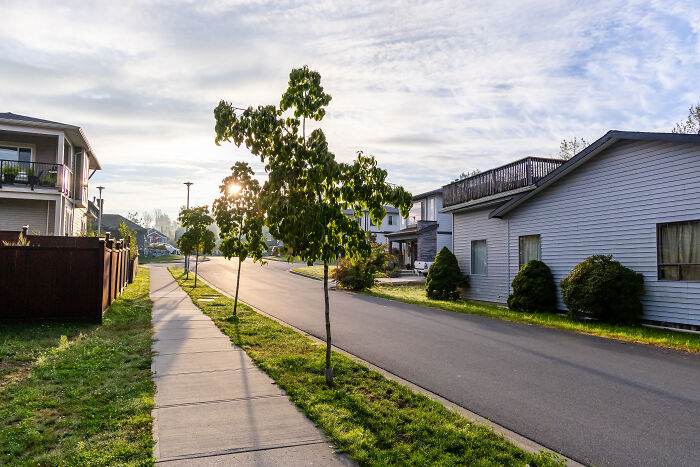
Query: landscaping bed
x,y
415,295
375,420
80,394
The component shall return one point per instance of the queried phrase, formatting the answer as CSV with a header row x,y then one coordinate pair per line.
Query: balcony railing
x,y
518,174
36,174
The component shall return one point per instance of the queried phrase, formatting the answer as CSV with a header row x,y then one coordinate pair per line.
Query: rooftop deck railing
x,y
36,174
518,174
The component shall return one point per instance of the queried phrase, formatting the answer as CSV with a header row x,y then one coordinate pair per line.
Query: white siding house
x,y
612,198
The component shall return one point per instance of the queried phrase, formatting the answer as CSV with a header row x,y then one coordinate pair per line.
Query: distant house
x,y
156,237
390,223
45,167
424,232
633,195
111,222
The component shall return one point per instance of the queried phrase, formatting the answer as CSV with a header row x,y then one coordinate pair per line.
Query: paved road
x,y
595,400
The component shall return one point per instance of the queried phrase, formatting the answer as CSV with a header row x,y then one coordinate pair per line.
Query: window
x,y
15,153
479,257
528,249
428,209
391,220
678,251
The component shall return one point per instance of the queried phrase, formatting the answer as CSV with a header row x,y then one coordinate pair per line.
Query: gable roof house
x,y
633,195
390,223
424,232
156,237
44,172
111,222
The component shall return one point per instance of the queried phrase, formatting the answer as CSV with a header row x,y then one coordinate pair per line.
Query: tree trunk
x,y
329,369
238,282
196,263
187,266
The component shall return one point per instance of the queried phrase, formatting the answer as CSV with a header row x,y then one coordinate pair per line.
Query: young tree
x,y
127,234
692,124
569,148
198,239
307,189
240,219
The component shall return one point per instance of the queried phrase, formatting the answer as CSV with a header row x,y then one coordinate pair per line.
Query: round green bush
x,y
533,289
444,277
603,289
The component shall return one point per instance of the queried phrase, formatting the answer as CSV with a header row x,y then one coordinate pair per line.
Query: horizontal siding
x,y
611,205
476,225
444,240
15,213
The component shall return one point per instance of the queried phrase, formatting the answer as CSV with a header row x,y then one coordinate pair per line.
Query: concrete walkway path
x,y
213,405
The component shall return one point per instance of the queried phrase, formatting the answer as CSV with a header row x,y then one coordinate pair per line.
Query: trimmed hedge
x,y
603,289
533,289
444,277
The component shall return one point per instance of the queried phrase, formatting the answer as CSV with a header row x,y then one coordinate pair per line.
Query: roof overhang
x,y
426,194
488,201
74,133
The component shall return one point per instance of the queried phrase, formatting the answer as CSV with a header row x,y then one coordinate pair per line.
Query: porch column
x,y
59,152
58,217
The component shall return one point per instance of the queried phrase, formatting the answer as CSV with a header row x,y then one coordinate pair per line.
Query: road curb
x,y
515,438
296,273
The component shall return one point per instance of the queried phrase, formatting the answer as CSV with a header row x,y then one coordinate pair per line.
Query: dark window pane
x,y
669,273
25,155
8,154
690,272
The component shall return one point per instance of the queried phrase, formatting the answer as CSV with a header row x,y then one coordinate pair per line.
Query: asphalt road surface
x,y
595,400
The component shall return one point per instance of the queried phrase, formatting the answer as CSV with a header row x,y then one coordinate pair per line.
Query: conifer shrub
x,y
603,289
533,289
444,277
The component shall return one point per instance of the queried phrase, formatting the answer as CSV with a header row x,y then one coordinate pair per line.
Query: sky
x,y
430,88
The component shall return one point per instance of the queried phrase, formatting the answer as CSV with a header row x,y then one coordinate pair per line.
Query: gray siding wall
x,y
444,240
611,205
475,225
46,146
15,213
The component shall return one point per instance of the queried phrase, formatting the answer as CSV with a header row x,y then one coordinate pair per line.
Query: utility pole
x,y
187,257
99,217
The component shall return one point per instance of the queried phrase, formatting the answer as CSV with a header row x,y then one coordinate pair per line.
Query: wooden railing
x,y
518,174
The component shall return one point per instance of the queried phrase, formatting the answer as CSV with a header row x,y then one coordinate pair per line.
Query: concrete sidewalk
x,y
213,405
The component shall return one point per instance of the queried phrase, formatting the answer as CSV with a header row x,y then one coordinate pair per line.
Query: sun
x,y
234,189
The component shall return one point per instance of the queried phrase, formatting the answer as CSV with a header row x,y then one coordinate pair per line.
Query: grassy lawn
x,y
80,394
161,259
376,420
640,334
315,271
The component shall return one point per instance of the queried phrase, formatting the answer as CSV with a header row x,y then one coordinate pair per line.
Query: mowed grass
x,y
415,295
86,398
375,420
161,259
315,271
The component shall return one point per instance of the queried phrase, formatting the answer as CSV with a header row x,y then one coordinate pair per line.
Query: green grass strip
x,y
415,295
161,259
314,271
87,399
375,420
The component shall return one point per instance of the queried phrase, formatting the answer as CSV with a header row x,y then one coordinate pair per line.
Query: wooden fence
x,y
62,278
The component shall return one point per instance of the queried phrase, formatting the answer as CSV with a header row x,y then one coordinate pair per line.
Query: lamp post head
x,y
188,184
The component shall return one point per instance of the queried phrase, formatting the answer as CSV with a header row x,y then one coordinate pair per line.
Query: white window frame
x,y
486,259
30,146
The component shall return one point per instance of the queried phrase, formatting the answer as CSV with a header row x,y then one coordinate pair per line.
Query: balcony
x,y
36,174
518,174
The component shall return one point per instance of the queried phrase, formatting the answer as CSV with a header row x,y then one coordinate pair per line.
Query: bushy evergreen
x,y
603,289
533,289
444,277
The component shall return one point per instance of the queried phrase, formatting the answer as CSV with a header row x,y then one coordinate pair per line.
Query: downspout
x,y
48,215
508,252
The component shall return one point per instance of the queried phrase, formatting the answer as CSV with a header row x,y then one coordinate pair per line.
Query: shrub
x,y
444,277
533,289
358,274
604,289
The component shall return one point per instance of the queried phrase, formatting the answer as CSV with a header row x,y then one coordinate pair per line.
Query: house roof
x,y
426,194
112,221
156,231
608,139
75,133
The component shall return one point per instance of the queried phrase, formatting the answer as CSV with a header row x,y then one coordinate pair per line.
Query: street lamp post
x,y
99,216
187,257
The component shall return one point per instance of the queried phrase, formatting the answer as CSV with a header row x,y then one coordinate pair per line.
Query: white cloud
x,y
432,89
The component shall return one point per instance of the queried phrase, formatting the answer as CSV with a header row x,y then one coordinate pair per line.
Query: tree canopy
x,y
197,239
691,125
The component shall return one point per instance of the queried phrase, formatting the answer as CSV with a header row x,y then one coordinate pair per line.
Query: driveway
x,y
596,400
